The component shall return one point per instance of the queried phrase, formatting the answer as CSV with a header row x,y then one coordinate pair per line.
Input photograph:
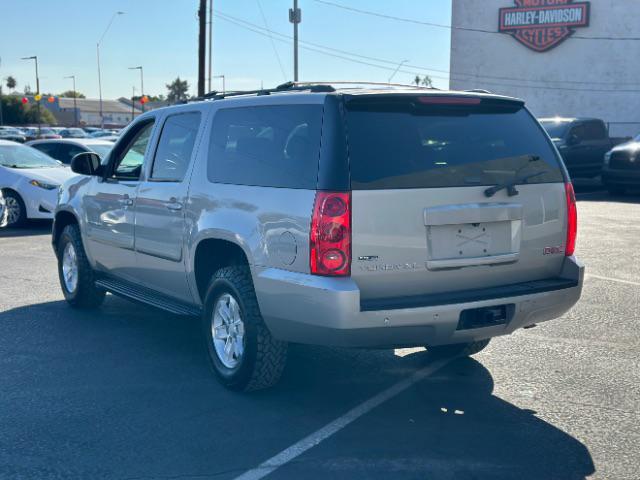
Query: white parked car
x,y
29,181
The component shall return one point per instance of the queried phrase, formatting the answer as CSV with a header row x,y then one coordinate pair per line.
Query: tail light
x,y
330,236
572,220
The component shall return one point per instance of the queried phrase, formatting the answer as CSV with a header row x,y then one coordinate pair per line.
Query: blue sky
x,y
162,37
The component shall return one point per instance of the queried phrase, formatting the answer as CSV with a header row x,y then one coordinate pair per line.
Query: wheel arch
x,y
62,219
212,253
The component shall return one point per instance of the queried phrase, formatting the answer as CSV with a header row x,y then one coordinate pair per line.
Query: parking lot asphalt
x,y
126,392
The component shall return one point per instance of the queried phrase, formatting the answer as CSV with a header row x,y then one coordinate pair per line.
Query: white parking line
x,y
619,280
338,424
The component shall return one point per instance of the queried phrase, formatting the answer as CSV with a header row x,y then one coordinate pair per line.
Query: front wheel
x,y
75,273
241,350
16,215
459,349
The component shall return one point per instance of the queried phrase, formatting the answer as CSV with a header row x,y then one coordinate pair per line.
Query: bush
x,y
15,113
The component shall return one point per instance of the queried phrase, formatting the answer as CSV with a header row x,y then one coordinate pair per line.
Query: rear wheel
x,y
75,273
16,210
241,350
459,349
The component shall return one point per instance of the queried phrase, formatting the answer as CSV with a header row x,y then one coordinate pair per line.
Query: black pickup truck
x,y
582,142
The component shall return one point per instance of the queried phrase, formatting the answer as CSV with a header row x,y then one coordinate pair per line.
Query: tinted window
x,y
129,164
66,152
48,148
175,146
555,129
579,133
274,146
409,145
595,131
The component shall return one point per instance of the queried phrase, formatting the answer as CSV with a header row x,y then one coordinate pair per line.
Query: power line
x,y
417,69
450,27
273,45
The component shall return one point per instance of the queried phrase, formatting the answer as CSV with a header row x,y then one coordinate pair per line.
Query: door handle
x,y
126,201
174,206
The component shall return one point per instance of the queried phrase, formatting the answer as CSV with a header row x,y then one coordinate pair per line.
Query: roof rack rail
x,y
285,87
379,84
477,90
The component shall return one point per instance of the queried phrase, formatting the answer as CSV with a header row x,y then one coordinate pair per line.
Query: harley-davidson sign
x,y
543,24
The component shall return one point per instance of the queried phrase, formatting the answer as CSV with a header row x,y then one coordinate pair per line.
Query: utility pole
x,y
113,17
202,44
1,80
210,40
35,58
75,105
139,67
133,96
295,17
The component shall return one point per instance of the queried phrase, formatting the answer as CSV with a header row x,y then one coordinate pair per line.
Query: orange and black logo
x,y
543,24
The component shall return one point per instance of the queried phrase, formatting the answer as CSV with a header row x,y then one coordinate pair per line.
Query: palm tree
x,y
11,83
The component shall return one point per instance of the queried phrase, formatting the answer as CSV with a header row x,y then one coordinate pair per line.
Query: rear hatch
x,y
422,220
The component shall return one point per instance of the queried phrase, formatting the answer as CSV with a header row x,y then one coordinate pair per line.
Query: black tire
x,y
264,358
459,349
86,294
12,198
616,190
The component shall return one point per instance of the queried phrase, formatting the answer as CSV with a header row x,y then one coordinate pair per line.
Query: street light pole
x,y
75,105
35,58
396,70
139,67
210,40
223,80
295,17
113,17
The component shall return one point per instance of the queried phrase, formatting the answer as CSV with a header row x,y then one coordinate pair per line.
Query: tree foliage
x,y
177,91
69,94
15,113
11,82
424,81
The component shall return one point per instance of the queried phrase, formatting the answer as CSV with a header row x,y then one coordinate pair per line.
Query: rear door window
x,y
402,143
271,146
175,147
595,130
50,149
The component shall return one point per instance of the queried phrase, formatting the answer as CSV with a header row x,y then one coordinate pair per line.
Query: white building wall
x,y
555,82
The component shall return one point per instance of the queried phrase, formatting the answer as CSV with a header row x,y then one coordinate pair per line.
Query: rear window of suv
x,y
269,146
402,143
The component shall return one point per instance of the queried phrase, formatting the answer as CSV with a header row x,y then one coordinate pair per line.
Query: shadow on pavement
x,y
126,391
32,228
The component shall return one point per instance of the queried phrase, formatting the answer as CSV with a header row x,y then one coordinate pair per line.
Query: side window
x,y
128,163
67,151
175,147
270,146
595,131
50,149
579,132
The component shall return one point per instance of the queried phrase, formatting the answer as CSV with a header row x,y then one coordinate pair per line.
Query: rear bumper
x,y
327,311
621,178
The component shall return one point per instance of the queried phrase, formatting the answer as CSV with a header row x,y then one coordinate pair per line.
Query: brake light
x,y
330,236
448,100
572,220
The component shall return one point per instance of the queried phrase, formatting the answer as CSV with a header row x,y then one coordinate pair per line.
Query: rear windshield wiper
x,y
511,184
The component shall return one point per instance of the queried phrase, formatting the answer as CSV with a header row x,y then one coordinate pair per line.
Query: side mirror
x,y
573,139
86,163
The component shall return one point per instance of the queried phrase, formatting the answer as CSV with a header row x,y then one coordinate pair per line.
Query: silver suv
x,y
350,217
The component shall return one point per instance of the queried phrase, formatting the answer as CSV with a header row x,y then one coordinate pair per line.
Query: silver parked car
x,y
351,217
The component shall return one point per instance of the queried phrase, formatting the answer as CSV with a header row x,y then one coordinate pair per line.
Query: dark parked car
x,y
622,167
73,133
582,142
64,149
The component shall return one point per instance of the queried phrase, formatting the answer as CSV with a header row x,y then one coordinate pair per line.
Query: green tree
x,y
69,94
15,113
11,83
424,81
177,90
